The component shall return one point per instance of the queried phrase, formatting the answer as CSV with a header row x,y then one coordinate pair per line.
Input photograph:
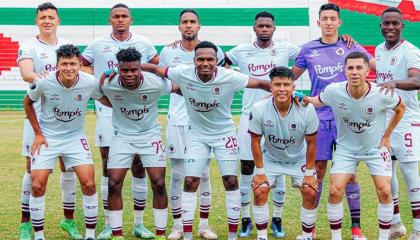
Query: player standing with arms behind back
x,y
398,59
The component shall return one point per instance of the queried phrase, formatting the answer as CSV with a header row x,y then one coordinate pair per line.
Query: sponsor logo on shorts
x,y
285,142
189,160
328,72
134,114
66,116
204,106
171,148
216,90
262,69
357,127
33,161
54,97
370,110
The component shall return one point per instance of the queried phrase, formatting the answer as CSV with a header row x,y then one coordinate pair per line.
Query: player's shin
x,y
205,197
104,194
161,220
37,210
245,191
175,189
335,217
189,204
353,199
412,179
25,195
68,193
139,189
261,215
90,211
384,219
233,201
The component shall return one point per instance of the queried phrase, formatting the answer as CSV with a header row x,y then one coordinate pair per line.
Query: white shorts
x,y
103,131
244,139
199,150
27,138
121,154
176,141
274,168
378,162
74,151
405,142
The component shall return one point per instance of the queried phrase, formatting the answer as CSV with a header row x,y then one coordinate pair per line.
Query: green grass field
x,y
12,166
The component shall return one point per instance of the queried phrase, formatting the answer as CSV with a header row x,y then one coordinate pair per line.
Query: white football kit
x,y
177,119
284,151
257,62
360,126
394,64
62,120
44,58
134,119
211,126
100,53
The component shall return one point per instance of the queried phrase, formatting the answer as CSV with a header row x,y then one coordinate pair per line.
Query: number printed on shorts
x,y
408,140
386,156
230,142
158,145
85,144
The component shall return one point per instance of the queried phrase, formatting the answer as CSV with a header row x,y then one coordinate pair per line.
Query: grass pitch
x,y
12,166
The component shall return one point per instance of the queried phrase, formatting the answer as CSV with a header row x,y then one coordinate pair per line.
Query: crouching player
x,y
134,96
360,111
289,132
59,132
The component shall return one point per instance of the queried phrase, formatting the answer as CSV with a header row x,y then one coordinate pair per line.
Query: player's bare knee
x,y
261,196
230,182
38,189
114,186
191,183
384,193
206,176
353,179
309,196
88,187
335,193
247,167
158,186
176,176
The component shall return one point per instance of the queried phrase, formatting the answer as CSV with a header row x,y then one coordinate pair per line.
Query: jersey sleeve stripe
x,y
84,61
319,98
311,134
166,72
254,134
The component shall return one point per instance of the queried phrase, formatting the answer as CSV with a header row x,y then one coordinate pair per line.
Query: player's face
x,y
391,26
120,19
264,29
205,61
68,68
47,21
282,89
129,74
356,71
329,22
189,26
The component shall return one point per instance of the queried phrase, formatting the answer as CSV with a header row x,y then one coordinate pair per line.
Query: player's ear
x,y
132,21
318,23
274,29
339,22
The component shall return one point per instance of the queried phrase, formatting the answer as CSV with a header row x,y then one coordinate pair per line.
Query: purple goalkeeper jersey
x,y
325,64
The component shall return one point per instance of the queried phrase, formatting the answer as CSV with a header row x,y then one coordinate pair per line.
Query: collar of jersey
x,y
256,45
367,92
37,37
113,38
278,112
211,80
394,47
61,84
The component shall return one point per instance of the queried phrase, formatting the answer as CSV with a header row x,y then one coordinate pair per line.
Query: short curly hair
x,y
68,51
128,55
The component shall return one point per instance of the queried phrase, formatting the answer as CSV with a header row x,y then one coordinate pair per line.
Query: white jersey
x,y
360,123
284,136
101,54
135,111
209,103
394,64
42,54
169,56
63,109
258,62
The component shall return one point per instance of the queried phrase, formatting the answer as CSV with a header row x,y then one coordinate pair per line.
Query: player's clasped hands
x,y
39,140
310,181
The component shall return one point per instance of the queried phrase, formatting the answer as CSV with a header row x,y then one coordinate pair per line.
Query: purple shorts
x,y
327,134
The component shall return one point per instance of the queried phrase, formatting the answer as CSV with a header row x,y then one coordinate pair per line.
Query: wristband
x,y
259,171
309,172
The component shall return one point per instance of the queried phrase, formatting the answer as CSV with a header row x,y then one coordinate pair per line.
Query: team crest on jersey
x,y
78,97
144,97
33,85
217,90
33,161
171,148
370,109
43,55
314,53
293,126
273,52
54,97
107,49
118,98
269,123
394,60
340,52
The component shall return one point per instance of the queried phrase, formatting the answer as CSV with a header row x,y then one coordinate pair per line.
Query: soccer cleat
x,y
69,226
106,233
177,233
205,232
397,230
278,230
415,235
246,228
25,231
356,234
141,231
